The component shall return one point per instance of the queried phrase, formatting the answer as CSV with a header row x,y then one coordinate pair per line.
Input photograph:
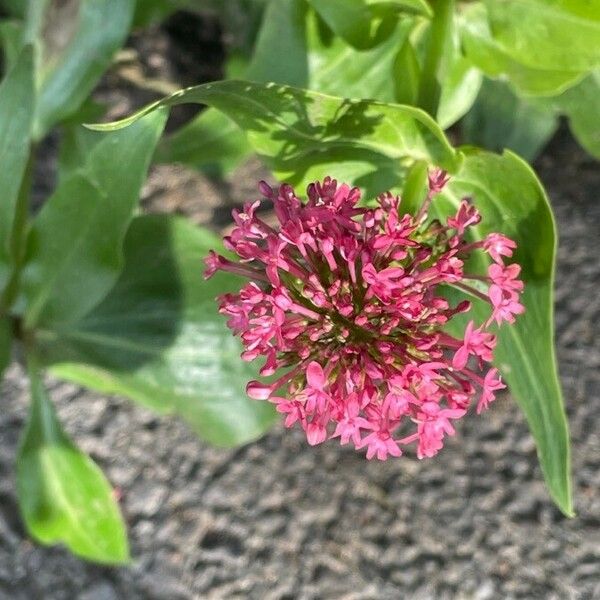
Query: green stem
x,y
441,29
18,235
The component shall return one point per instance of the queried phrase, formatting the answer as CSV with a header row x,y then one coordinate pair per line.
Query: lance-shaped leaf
x,y
16,113
303,135
76,41
512,200
158,338
63,495
74,251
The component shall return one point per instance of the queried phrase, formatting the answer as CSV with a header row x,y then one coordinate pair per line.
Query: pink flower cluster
x,y
346,304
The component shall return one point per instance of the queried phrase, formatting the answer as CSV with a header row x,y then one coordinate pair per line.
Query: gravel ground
x,y
279,520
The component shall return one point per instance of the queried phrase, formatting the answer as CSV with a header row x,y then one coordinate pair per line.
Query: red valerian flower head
x,y
346,306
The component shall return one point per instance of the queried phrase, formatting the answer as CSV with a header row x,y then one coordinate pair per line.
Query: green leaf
x,y
338,69
501,119
355,21
283,27
158,338
11,35
582,107
63,495
303,135
407,74
74,246
211,142
496,61
367,23
76,41
548,35
16,113
512,201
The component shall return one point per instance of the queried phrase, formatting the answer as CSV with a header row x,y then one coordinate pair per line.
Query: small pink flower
x,y
380,443
437,180
466,216
477,343
491,383
498,245
346,305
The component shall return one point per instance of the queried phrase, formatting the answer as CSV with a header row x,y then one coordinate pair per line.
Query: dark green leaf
x,y
76,41
74,247
16,114
512,200
303,136
158,338
63,495
501,119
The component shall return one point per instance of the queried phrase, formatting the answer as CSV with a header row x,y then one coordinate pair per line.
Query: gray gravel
x,y
279,520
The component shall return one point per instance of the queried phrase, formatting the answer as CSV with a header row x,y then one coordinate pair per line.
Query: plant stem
x,y
18,235
441,29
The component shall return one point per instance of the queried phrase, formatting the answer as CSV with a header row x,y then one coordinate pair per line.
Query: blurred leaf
x,y
11,35
352,20
551,35
76,40
303,135
148,12
459,90
512,200
158,338
63,495
501,119
581,104
407,74
15,8
16,114
74,246
283,27
496,61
